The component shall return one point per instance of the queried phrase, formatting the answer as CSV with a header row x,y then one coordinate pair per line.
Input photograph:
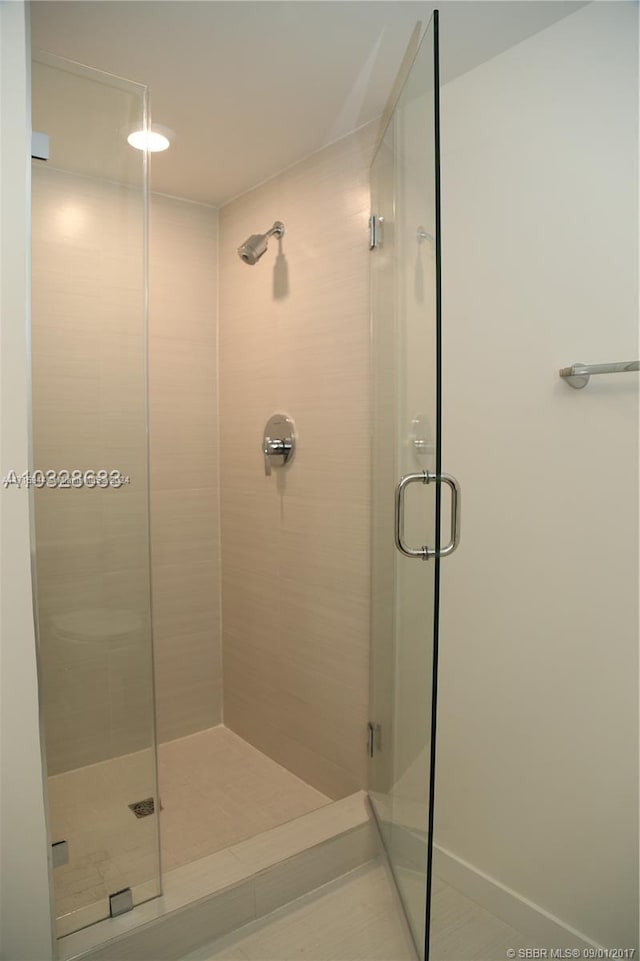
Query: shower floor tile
x,y
109,848
215,790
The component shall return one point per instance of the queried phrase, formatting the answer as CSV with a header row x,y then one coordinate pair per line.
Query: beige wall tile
x,y
184,465
90,411
246,714
295,546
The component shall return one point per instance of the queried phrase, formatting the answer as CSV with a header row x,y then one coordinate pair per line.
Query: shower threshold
x,y
215,790
217,894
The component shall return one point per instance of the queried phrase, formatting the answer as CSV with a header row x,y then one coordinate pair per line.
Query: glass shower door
x,y
90,491
405,296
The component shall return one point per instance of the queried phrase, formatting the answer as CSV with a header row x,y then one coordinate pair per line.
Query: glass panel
x,y
89,349
404,345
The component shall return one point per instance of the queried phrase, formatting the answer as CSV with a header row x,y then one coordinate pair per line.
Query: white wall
x,y
537,782
25,909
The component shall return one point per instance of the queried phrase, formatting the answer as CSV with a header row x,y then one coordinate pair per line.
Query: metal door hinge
x,y
375,231
60,853
40,148
374,738
120,902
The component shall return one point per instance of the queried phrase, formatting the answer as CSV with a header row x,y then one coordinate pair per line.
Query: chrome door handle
x,y
454,537
424,477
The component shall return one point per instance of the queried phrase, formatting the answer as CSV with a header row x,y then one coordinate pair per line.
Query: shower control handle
x,y
425,477
278,442
272,448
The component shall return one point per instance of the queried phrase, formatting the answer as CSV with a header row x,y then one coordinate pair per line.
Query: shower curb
x,y
212,897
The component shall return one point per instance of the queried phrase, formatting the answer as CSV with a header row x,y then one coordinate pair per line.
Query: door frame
x,y
26,928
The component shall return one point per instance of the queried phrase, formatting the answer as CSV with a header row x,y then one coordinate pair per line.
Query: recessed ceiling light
x,y
155,139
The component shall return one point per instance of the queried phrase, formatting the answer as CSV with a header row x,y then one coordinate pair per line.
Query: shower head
x,y
253,248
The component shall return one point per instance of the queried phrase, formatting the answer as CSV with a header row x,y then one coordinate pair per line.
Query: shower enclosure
x,y
405,320
238,649
92,511
91,490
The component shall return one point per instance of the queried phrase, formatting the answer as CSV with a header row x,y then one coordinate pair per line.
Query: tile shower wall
x,y
184,466
89,412
294,337
88,372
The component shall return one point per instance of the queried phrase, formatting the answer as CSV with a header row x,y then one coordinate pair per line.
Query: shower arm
x,y
276,231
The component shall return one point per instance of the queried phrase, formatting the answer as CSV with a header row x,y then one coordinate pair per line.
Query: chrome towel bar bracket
x,y
578,375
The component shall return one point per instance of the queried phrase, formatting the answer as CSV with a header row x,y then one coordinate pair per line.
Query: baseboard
x,y
544,929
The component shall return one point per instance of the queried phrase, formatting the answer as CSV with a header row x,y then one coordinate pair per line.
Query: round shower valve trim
x,y
278,441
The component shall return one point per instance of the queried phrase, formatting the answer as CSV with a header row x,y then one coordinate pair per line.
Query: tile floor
x,y
216,790
109,848
461,930
226,890
358,918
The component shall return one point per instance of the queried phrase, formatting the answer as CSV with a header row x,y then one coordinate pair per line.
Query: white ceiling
x,y
252,86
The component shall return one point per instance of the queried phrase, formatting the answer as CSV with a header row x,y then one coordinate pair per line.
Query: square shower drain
x,y
143,809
